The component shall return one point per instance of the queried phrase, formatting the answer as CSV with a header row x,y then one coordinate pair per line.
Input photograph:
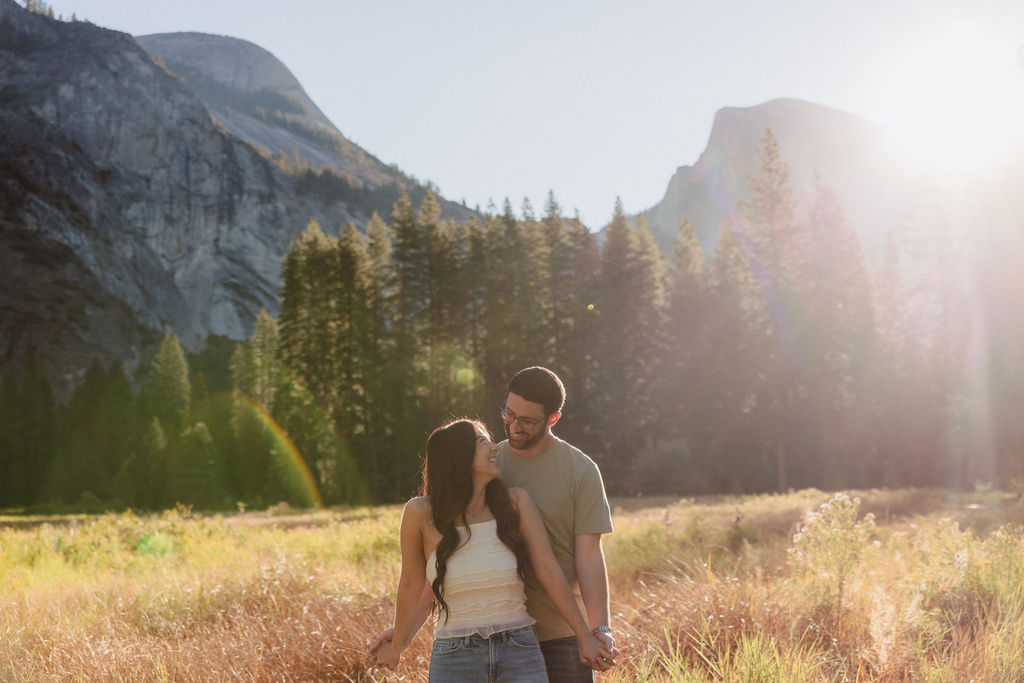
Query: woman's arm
x,y
423,609
411,583
550,575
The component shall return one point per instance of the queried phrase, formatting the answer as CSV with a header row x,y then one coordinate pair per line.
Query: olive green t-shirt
x,y
567,487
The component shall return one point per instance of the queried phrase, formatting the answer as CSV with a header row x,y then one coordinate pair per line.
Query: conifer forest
x,y
784,359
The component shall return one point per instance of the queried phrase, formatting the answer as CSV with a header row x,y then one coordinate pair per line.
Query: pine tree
x,y
513,304
257,376
123,424
325,323
780,249
443,310
27,429
99,431
294,321
474,283
733,372
167,394
406,394
557,273
169,389
353,322
576,355
377,465
148,470
409,263
689,323
841,351
309,443
614,307
648,278
630,312
356,350
193,474
308,301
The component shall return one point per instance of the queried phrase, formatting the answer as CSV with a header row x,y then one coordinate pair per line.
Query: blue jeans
x,y
507,656
562,657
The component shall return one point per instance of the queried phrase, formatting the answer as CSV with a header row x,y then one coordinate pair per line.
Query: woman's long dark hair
x,y
448,481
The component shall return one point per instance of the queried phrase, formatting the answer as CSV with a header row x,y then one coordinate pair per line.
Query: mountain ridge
x,y
256,98
142,193
847,152
127,210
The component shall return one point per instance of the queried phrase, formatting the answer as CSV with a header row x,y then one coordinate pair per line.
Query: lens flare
x,y
290,461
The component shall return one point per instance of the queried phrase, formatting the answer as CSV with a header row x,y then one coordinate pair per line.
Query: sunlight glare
x,y
955,102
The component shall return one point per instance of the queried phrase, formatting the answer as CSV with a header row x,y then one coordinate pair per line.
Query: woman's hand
x,y
389,655
383,640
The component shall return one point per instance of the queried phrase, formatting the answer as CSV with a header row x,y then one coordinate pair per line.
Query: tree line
x,y
783,361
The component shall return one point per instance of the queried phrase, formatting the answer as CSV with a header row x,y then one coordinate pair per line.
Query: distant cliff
x,y
127,210
257,98
849,153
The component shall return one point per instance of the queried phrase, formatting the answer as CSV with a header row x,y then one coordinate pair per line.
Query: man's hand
x,y
383,641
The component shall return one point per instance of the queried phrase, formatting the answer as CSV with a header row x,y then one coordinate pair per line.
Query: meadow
x,y
907,585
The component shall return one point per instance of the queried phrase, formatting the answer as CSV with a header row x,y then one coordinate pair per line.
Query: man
x,y
567,487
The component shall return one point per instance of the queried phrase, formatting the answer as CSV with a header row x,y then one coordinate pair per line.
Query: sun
x,y
954,101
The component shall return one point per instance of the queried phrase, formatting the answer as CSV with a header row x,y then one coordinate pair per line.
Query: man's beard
x,y
523,443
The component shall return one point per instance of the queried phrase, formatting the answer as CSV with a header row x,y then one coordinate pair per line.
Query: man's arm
x,y
593,578
551,577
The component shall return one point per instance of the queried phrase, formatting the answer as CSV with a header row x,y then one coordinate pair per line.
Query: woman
x,y
471,537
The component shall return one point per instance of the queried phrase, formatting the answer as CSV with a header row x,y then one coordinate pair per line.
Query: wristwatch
x,y
601,629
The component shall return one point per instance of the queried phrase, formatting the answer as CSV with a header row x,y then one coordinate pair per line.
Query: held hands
x,y
598,651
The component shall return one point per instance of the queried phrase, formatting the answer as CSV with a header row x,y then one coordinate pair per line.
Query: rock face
x,y
126,210
851,155
258,99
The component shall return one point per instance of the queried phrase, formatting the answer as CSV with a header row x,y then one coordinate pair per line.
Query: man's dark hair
x,y
539,385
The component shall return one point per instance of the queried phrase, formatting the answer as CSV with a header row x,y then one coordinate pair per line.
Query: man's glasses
x,y
508,417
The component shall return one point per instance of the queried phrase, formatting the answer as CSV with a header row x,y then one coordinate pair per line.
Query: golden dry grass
x,y
703,590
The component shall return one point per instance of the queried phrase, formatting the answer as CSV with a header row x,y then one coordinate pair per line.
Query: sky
x,y
595,100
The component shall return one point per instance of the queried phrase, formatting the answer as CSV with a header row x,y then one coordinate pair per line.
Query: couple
x,y
499,563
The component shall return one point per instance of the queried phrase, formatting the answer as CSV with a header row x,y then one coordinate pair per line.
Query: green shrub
x,y
153,543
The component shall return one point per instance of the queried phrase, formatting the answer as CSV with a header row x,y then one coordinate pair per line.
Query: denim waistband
x,y
484,630
502,635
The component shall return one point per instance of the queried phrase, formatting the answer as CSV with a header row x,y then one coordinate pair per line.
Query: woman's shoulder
x,y
419,507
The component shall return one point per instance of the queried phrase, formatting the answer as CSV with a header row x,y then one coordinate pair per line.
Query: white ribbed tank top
x,y
483,591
